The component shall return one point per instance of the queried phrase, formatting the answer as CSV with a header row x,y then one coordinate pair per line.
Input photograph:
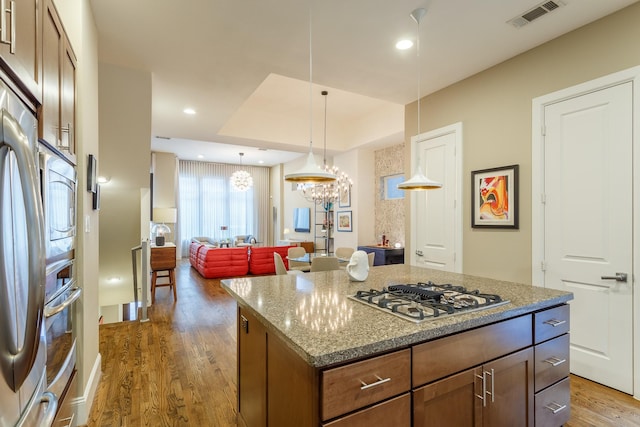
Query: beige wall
x,y
125,156
389,213
495,109
81,30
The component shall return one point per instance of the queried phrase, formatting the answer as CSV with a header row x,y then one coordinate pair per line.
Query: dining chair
x,y
281,269
297,252
371,256
344,252
324,263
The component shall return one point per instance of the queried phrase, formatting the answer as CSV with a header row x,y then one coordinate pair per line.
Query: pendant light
x,y
310,172
241,180
419,181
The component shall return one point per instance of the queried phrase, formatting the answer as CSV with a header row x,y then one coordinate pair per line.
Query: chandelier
x,y
328,193
241,180
325,194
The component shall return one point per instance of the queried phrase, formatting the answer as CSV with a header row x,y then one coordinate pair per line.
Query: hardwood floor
x,y
179,368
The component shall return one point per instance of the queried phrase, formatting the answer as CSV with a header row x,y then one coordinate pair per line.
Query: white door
x,y
437,218
588,227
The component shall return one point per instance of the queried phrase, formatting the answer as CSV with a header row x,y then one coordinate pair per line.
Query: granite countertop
x,y
314,315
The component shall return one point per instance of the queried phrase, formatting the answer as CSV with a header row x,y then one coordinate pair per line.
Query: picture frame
x,y
494,197
345,197
92,166
344,221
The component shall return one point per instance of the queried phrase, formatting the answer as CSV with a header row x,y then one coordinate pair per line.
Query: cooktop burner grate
x,y
426,300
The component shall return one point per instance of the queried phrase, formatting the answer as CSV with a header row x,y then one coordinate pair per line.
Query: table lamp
x,y
160,217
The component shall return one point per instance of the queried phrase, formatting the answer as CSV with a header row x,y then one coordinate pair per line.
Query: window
x,y
207,202
389,187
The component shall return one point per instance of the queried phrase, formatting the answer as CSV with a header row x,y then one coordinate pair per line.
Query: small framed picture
x,y
92,165
345,197
494,197
345,221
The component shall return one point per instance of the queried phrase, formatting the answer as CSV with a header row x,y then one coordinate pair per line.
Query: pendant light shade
x,y
419,180
310,172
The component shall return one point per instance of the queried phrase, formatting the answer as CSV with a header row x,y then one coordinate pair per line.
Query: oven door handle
x,y
52,311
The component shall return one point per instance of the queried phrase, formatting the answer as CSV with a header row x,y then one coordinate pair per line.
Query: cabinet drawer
x,y
551,361
551,323
445,356
359,384
392,413
552,405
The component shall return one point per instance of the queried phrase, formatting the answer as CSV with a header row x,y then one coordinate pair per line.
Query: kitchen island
x,y
308,355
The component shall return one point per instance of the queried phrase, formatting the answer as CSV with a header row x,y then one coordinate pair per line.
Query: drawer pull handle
x,y
380,381
554,361
555,322
555,407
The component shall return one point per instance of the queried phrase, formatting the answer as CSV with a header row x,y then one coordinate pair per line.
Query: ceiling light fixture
x,y
404,44
190,111
310,172
241,180
327,193
419,181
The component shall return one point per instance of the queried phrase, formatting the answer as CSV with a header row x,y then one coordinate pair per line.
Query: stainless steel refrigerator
x,y
23,399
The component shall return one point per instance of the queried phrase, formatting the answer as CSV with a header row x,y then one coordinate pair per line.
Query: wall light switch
x,y
87,224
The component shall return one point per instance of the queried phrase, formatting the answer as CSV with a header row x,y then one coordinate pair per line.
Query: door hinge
x,y
543,198
543,130
543,266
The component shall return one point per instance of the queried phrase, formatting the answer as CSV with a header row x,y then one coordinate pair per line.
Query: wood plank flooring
x,y
179,368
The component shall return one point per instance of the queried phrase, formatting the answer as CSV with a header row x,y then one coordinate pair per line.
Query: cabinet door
x,y
51,56
68,100
453,401
509,384
252,370
21,43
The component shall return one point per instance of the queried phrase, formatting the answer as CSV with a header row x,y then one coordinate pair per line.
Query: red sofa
x,y
231,262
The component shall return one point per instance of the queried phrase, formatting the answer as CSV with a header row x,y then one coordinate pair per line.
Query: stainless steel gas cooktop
x,y
420,301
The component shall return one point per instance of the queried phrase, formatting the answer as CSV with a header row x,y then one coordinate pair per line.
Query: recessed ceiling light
x,y
189,111
404,44
200,156
261,161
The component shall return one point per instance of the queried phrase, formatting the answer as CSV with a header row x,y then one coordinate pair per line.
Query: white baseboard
x,y
82,404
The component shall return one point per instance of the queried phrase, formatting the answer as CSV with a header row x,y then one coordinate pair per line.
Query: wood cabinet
x,y
493,375
252,371
21,44
57,118
498,393
551,336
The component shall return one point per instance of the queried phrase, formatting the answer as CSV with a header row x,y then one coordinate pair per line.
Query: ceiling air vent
x,y
535,13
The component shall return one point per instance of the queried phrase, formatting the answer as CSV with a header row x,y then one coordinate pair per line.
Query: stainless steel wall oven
x,y
58,182
62,292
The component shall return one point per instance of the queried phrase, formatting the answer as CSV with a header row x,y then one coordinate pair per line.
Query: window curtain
x,y
208,203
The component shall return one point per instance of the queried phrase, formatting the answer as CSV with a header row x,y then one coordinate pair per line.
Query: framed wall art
x,y
494,197
345,197
344,221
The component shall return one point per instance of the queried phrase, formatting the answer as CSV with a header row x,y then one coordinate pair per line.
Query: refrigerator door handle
x,y
20,361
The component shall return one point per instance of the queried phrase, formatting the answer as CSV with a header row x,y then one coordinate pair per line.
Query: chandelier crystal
x,y
241,180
